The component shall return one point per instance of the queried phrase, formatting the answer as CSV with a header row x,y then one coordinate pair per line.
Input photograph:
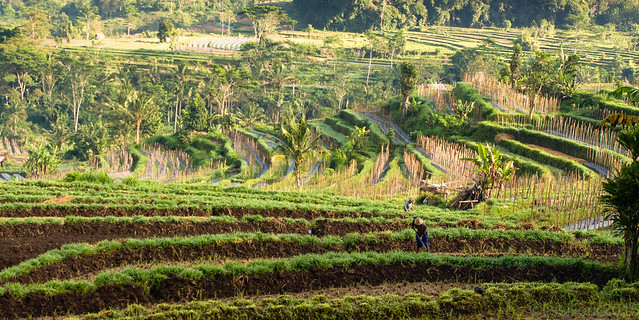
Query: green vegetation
x,y
214,150
499,300
151,278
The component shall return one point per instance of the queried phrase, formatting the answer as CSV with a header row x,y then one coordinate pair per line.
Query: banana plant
x,y
631,93
492,171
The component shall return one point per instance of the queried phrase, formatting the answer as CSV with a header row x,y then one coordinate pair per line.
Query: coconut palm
x,y
250,114
299,141
134,106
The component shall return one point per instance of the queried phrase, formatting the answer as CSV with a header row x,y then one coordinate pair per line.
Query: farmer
x,y
408,205
421,234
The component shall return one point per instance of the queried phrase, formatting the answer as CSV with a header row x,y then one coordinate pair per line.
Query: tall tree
x,y
538,75
408,84
78,71
166,30
515,64
132,15
397,43
232,77
621,202
135,107
250,114
194,115
20,63
569,66
265,19
228,17
299,142
88,15
37,25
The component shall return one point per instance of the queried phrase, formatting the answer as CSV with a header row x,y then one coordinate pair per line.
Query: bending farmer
x,y
408,205
421,234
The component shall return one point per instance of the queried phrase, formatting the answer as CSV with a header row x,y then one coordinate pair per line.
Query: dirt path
x,y
557,153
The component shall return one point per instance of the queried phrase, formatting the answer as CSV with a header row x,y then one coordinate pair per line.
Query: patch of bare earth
x,y
60,200
433,289
557,153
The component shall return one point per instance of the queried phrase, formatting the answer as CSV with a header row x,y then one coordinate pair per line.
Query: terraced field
x,y
76,249
443,41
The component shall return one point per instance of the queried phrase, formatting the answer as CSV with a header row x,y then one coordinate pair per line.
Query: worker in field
x,y
421,234
408,205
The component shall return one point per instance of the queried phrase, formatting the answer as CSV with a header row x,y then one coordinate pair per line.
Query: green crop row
x,y
498,300
467,93
346,242
376,134
436,223
338,138
561,163
153,277
27,195
488,131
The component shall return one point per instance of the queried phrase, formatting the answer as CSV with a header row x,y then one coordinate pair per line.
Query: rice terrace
x,y
315,159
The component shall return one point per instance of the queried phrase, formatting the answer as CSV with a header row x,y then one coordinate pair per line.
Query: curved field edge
x,y
24,239
497,299
307,272
34,198
73,260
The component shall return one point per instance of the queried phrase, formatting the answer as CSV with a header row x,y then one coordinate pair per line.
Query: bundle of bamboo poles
x,y
381,163
164,164
248,148
578,131
447,155
119,160
587,133
509,98
443,101
569,199
414,168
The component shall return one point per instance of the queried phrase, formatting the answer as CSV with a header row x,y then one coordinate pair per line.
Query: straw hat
x,y
418,221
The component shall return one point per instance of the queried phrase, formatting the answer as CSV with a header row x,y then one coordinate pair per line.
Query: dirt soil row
x,y
179,289
87,265
105,211
27,241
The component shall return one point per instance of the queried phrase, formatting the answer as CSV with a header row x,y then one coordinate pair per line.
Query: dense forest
x,y
357,15
67,17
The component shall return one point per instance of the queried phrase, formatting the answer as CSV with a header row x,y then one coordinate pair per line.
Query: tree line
x,y
69,19
84,102
361,15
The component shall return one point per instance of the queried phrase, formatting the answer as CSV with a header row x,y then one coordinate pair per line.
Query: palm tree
x,y
250,114
621,202
134,106
299,142
140,108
